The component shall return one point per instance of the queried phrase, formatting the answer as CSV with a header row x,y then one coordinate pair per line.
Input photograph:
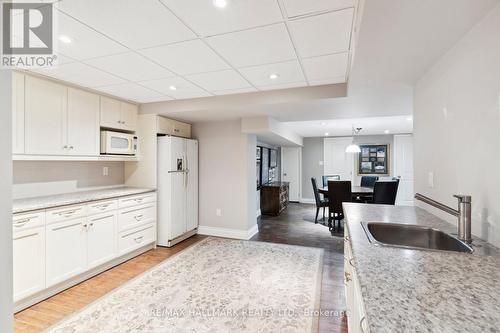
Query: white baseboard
x,y
259,213
307,201
228,232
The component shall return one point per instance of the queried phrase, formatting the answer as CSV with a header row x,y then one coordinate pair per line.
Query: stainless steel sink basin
x,y
413,237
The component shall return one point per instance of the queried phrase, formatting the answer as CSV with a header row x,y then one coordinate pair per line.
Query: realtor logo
x,y
27,35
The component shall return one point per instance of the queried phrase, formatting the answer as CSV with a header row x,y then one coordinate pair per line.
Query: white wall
x,y
457,127
226,178
38,178
5,202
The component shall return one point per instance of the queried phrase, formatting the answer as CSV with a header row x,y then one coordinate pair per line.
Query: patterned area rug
x,y
217,285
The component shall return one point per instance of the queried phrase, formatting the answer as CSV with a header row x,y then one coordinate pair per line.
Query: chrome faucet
x,y
463,213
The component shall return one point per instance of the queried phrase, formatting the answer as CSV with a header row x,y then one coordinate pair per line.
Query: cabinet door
x,y
83,123
129,116
28,248
101,239
110,113
45,117
17,113
165,126
182,129
65,250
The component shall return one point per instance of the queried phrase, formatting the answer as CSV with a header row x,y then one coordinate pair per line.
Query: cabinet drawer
x,y
135,216
136,200
65,213
28,220
102,206
129,241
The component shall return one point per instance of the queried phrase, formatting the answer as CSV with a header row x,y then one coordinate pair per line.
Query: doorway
x,y
291,171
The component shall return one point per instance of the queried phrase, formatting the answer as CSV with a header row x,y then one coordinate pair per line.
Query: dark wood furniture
x,y
273,198
385,192
355,190
320,203
338,193
330,177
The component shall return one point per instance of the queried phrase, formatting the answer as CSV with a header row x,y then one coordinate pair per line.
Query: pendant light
x,y
354,148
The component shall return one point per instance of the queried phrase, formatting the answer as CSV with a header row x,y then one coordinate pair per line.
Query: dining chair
x,y
320,203
368,181
338,193
385,192
330,177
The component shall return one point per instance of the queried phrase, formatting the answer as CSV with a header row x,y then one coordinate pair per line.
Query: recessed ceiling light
x,y
409,118
274,76
65,39
386,131
172,88
323,123
220,3
327,134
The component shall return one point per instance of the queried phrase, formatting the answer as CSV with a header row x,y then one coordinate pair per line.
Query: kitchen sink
x,y
413,237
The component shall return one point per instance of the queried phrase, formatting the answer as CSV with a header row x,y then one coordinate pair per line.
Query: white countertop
x,y
37,203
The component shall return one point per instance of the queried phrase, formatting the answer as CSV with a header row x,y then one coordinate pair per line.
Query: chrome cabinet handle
x,y
65,147
71,147
21,223
138,217
138,239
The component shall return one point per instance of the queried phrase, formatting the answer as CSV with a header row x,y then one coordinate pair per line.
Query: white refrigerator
x,y
177,189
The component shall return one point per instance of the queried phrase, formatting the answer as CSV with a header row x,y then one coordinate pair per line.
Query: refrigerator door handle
x,y
175,171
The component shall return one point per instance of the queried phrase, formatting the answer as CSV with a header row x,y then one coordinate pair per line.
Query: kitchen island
x,y
409,290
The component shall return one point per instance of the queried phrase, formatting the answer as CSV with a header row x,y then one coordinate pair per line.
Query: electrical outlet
x,y
218,212
430,180
105,171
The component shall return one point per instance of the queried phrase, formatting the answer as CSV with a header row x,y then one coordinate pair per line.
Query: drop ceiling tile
x,y
86,43
81,74
222,80
206,19
183,88
234,91
323,34
130,91
287,72
186,58
153,99
326,67
300,7
284,86
257,46
136,24
130,66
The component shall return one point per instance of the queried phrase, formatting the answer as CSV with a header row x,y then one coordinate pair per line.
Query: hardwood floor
x,y
294,226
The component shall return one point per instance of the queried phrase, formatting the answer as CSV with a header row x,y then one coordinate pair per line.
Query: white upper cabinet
x,y
173,127
45,117
83,123
17,113
118,115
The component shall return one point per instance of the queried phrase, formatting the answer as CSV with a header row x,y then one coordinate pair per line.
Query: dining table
x,y
355,190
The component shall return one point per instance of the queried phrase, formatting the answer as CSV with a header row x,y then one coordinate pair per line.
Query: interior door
x,y
83,123
403,168
336,160
45,117
192,185
178,188
291,170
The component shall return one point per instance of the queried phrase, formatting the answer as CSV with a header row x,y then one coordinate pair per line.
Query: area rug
x,y
216,285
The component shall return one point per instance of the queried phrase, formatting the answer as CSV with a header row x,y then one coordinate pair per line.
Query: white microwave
x,y
116,143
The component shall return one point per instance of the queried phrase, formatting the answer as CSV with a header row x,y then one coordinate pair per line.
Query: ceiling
x,y
343,127
160,50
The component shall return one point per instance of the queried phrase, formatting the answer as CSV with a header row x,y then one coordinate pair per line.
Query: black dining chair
x,y
320,203
385,192
338,193
330,177
368,181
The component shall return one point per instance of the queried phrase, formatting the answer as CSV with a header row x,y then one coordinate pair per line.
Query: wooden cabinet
x,y
356,316
66,250
274,198
101,238
28,248
173,127
17,113
83,123
45,117
116,114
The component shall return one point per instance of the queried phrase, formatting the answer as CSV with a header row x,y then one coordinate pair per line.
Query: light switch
x,y
218,212
430,180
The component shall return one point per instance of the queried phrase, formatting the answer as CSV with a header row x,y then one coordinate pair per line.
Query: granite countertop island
x,y
407,290
36,203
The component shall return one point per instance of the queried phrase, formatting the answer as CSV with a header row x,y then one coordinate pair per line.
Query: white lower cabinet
x,y
28,249
66,248
356,316
57,245
101,239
